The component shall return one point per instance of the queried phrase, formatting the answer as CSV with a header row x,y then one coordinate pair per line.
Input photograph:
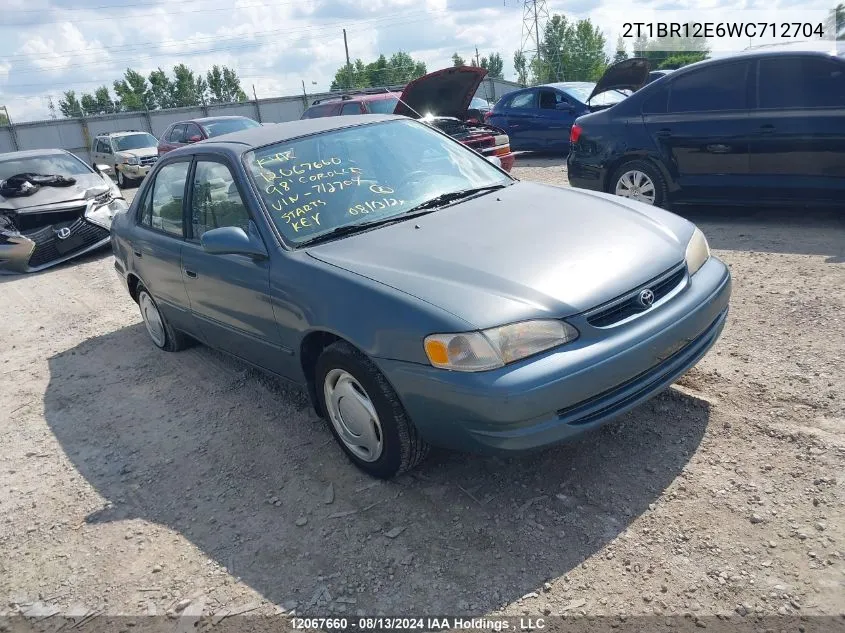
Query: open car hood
x,y
446,92
629,74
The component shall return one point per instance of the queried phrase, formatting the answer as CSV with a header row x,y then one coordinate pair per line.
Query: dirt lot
x,y
133,481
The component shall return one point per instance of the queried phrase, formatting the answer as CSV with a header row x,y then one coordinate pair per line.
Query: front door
x,y
157,243
229,294
554,120
798,149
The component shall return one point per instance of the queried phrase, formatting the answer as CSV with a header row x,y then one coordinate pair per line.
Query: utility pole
x,y
477,63
534,12
348,65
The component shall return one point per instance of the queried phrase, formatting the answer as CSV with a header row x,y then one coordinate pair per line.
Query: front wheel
x,y
639,180
365,414
122,181
160,331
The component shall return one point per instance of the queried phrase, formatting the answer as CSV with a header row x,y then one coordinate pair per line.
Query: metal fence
x,y
75,135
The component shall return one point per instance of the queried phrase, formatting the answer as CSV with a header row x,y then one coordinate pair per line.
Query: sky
x,y
50,46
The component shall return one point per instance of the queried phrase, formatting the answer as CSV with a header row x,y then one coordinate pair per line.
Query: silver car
x,y
52,207
128,155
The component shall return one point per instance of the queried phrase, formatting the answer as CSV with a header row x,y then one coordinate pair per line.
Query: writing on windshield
x,y
314,185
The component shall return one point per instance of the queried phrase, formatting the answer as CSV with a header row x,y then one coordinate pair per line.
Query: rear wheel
x,y
641,181
160,331
365,414
122,181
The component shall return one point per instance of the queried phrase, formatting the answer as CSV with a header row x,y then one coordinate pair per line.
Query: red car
x,y
186,132
441,99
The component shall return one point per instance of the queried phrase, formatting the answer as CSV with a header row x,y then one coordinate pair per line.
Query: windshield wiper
x,y
428,206
445,198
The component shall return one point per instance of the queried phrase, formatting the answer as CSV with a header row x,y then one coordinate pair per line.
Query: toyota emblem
x,y
63,233
646,298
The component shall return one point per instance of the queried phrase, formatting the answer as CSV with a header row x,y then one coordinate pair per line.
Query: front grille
x,y
619,310
48,246
34,221
148,160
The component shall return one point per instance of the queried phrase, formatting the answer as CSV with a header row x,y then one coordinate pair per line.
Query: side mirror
x,y
495,160
232,240
103,169
196,138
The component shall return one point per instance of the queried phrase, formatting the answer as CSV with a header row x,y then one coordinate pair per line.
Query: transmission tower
x,y
535,14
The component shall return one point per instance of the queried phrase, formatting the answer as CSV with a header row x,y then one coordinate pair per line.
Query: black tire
x,y
644,166
174,340
403,448
122,181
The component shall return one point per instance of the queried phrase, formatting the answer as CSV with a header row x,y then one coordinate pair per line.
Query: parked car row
x,y
443,99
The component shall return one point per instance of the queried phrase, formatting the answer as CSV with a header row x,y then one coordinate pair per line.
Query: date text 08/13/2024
x,y
390,625
745,30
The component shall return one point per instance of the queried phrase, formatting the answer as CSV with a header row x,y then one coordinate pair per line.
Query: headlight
x,y
698,252
496,347
104,214
132,160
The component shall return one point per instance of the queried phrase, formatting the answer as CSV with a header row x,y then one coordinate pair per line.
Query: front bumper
x,y
135,172
558,395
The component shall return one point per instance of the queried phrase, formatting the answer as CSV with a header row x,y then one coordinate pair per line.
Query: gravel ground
x,y
136,482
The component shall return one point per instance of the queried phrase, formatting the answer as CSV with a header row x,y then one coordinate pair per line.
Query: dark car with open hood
x,y
540,118
53,207
443,99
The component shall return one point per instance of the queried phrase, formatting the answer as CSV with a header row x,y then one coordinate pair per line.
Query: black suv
x,y
758,127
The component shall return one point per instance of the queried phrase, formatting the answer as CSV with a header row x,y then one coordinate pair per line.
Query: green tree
x,y
519,65
457,60
675,51
399,69
133,92
185,92
223,85
573,51
835,25
4,120
378,73
493,65
404,68
621,52
69,105
162,89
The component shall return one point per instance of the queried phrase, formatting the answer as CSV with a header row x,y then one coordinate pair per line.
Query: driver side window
x,y
215,202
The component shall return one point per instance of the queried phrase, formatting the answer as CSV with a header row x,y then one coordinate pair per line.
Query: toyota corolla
x,y
421,294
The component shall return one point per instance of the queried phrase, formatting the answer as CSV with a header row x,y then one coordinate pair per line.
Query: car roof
x,y
791,50
244,140
122,133
352,97
30,153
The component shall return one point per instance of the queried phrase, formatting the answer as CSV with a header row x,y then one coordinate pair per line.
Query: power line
x,y
102,6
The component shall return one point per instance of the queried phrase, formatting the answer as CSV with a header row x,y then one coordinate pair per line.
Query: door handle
x,y
767,129
190,273
664,133
138,253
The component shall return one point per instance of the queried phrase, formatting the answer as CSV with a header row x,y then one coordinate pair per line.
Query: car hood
x,y
141,152
86,187
629,74
526,251
446,92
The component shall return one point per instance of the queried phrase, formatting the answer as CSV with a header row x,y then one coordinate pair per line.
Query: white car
x,y
129,155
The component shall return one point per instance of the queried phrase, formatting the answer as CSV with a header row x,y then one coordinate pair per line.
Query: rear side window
x,y
176,133
351,108
315,112
525,100
800,82
381,106
163,206
719,88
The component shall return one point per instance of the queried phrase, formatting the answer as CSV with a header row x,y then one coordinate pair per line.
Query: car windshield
x,y
134,141
225,126
382,106
48,165
582,91
361,174
478,102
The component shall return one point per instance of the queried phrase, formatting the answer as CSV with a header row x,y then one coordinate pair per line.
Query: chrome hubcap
x,y
636,185
152,319
121,181
353,415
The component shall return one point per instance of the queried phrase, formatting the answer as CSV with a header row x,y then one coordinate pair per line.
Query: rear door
x,y
704,132
157,243
798,149
555,116
518,118
229,294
